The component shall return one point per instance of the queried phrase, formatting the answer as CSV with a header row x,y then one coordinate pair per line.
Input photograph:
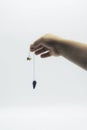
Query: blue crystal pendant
x,y
34,84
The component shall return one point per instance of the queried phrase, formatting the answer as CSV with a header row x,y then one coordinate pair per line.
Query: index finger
x,y
36,44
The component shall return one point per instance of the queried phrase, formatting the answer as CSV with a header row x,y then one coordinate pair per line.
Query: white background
x,y
60,98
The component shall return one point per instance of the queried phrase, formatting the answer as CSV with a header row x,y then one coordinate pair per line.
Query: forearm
x,y
75,52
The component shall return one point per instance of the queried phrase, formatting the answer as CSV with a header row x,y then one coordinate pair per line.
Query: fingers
x,y
35,48
45,55
41,50
36,44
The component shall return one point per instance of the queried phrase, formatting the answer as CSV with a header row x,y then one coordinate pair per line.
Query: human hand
x,y
51,45
47,45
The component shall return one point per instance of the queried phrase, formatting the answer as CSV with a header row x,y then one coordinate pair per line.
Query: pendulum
x,y
34,81
28,59
34,84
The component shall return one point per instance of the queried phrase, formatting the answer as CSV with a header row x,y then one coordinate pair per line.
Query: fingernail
x,y
31,49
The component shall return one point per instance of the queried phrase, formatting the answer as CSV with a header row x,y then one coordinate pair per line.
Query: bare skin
x,y
52,45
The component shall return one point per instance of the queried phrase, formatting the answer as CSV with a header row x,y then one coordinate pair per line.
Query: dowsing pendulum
x,y
34,81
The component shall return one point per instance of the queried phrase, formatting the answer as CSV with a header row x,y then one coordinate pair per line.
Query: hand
x,y
47,45
51,45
